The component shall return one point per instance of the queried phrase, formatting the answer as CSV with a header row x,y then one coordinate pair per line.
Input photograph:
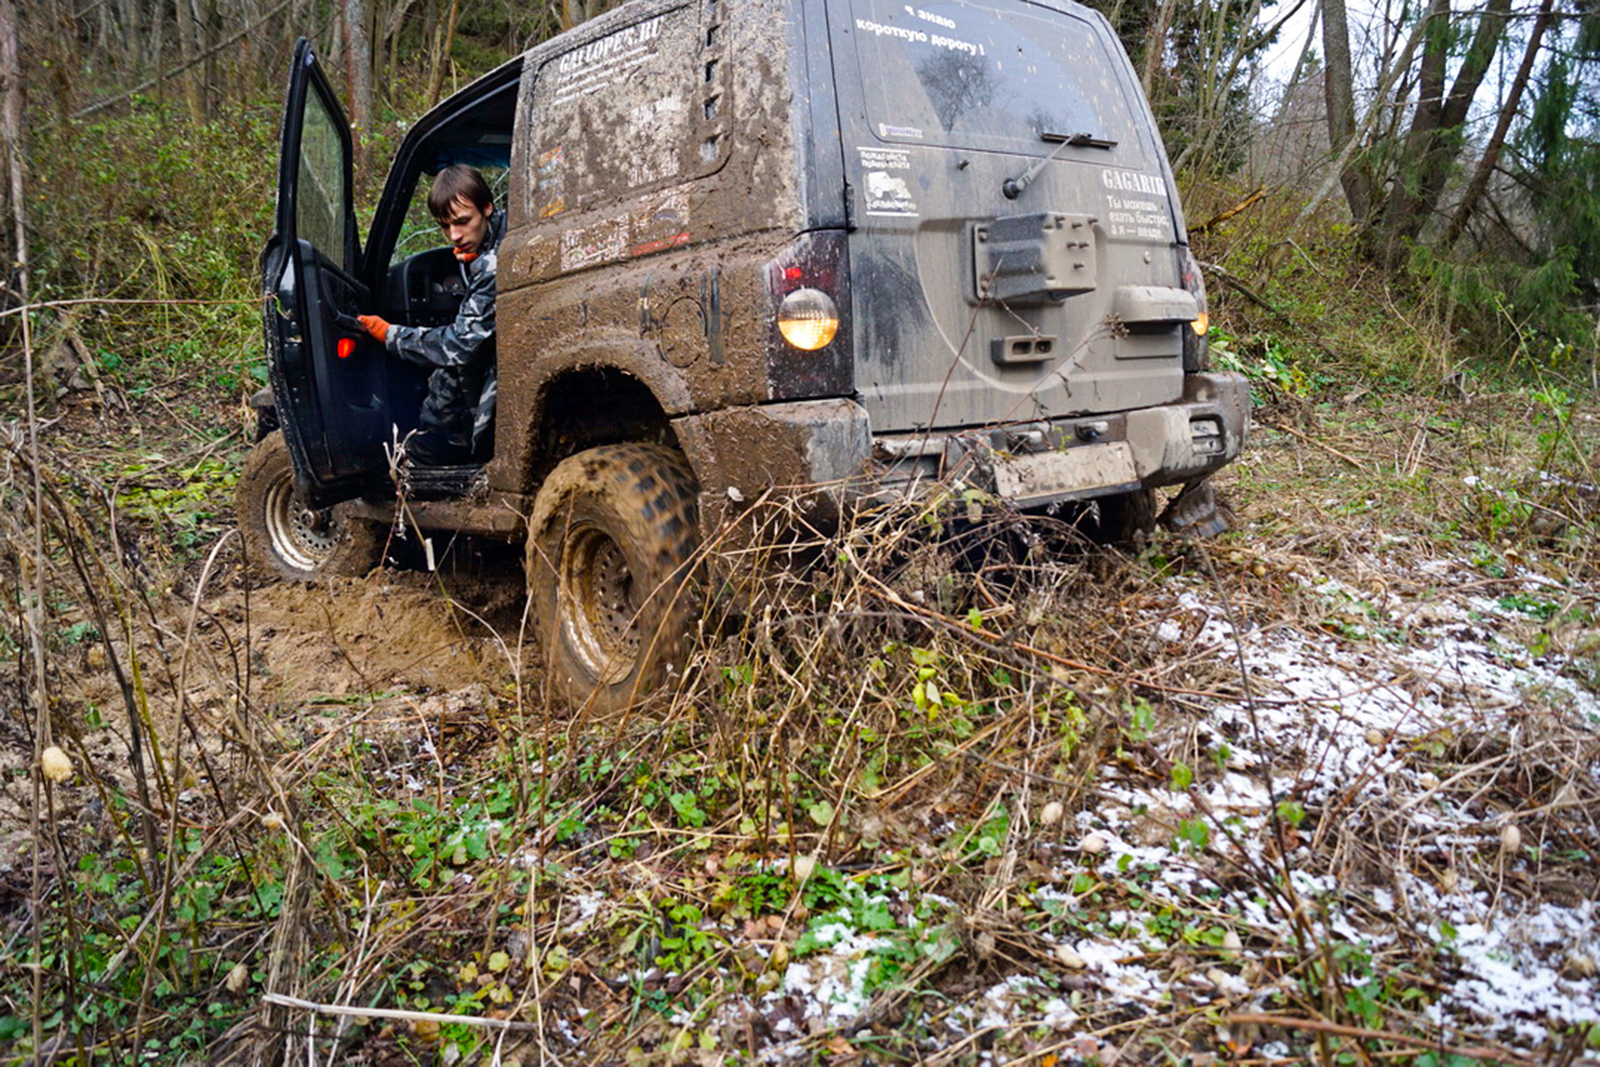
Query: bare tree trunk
x,y
1508,111
386,45
331,56
11,134
204,17
297,23
189,51
1305,53
1337,87
358,67
128,26
441,57
101,105
158,24
1346,152
1437,129
1156,44
1213,115
250,54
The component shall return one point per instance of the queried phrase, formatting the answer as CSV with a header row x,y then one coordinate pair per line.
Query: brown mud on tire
x,y
610,548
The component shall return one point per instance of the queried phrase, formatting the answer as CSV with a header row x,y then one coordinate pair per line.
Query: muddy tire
x,y
1124,517
611,547
284,539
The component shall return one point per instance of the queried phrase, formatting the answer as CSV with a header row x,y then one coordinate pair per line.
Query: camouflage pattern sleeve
x,y
467,340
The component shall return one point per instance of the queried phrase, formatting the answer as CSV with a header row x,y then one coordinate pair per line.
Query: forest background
x,y
1397,206
1447,152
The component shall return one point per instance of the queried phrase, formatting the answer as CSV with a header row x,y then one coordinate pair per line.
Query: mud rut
x,y
295,647
351,635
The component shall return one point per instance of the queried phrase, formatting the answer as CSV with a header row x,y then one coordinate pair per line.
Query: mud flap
x,y
1194,511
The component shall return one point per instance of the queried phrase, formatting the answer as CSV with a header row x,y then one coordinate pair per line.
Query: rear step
x,y
440,483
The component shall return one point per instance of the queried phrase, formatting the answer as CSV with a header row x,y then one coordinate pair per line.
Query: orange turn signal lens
x,y
1201,324
346,347
808,319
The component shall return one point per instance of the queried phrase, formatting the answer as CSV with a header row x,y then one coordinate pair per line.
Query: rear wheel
x,y
610,548
1122,518
285,539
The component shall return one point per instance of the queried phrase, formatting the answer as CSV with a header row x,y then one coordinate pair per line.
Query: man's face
x,y
466,226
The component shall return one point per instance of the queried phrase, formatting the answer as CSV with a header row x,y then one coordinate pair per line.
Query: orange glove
x,y
378,328
464,257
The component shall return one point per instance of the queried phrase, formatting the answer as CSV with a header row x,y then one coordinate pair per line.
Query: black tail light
x,y
809,350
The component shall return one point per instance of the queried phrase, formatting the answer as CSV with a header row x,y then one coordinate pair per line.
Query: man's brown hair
x,y
458,182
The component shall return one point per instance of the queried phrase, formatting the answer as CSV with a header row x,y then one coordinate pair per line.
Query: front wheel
x,y
285,539
610,548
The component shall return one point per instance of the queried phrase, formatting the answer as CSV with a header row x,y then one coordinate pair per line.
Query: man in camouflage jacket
x,y
454,423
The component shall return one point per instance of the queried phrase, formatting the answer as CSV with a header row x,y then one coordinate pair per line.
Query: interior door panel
x,y
329,378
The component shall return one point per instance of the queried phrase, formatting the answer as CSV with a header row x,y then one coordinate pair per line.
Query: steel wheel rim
x,y
302,538
598,604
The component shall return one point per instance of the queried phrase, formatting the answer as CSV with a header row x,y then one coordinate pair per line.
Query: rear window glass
x,y
1012,77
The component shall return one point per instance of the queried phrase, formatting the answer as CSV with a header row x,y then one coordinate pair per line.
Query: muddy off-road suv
x,y
858,245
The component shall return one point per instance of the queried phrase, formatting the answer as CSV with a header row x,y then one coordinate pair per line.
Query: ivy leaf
x,y
1182,776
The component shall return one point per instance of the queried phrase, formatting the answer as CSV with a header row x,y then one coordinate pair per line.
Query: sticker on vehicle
x,y
1133,216
910,133
593,66
550,183
661,223
887,190
1130,181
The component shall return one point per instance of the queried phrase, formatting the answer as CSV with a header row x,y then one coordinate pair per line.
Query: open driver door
x,y
329,379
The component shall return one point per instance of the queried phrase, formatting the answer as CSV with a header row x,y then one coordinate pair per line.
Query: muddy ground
x,y
1376,840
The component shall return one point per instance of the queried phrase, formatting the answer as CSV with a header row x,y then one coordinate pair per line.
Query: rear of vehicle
x,y
1021,298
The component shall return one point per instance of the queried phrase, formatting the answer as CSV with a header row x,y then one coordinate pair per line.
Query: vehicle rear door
x,y
328,377
1016,251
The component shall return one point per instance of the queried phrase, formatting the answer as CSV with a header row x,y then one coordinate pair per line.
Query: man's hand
x,y
463,256
378,328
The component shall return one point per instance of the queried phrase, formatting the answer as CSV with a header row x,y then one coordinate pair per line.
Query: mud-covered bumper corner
x,y
820,453
1048,461
1180,442
813,450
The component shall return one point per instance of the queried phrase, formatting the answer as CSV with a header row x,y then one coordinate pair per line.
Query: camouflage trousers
x,y
454,423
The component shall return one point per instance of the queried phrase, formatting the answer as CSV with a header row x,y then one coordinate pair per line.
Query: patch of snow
x,y
833,984
1124,981
1334,720
586,906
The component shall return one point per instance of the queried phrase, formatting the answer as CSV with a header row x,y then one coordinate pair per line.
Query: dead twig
x,y
1474,1052
284,1001
1312,441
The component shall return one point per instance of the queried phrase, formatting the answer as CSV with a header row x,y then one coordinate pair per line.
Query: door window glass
x,y
320,193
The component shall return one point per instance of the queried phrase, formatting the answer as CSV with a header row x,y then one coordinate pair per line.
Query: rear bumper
x,y
822,453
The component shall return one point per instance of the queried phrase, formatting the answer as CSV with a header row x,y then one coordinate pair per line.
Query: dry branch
x,y
281,1000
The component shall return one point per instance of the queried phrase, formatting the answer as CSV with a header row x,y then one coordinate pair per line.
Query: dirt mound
x,y
366,634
